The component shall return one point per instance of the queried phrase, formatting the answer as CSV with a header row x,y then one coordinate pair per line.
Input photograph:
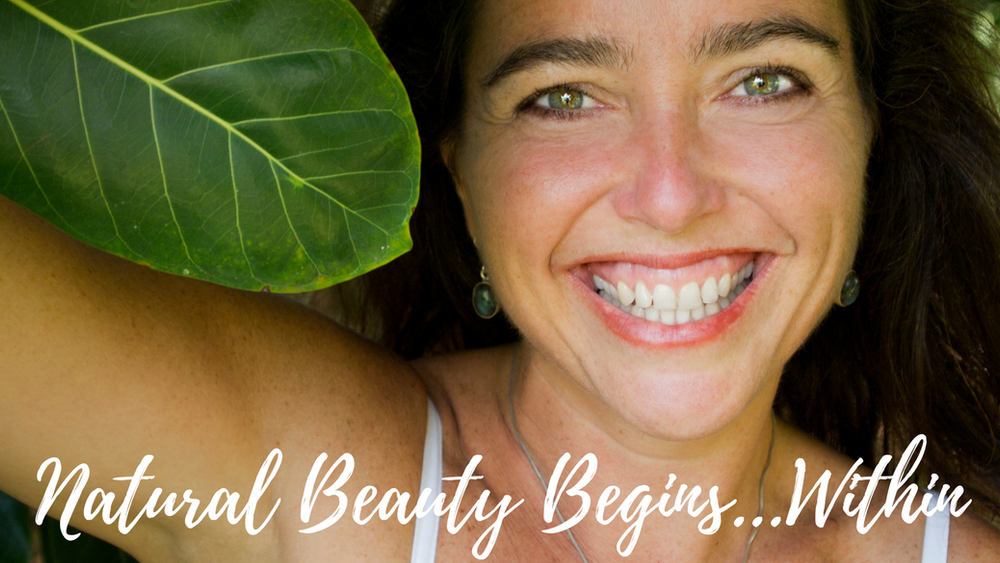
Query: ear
x,y
449,155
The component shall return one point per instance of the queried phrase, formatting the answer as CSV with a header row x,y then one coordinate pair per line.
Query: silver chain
x,y
545,487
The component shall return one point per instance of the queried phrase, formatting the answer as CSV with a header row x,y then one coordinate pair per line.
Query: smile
x,y
673,297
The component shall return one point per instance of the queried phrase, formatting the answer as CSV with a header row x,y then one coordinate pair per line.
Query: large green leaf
x,y
250,143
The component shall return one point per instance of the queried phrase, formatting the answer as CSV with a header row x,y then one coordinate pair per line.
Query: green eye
x,y
565,99
764,83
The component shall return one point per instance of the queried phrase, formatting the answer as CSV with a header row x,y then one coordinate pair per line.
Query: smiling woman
x,y
668,200
610,160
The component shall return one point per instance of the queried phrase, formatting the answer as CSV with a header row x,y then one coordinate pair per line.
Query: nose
x,y
668,188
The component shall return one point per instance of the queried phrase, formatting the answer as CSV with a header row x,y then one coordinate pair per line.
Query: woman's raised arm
x,y
105,361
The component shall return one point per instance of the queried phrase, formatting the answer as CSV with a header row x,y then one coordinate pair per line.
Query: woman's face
x,y
668,145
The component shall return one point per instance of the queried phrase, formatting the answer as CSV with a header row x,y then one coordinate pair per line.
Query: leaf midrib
x,y
73,35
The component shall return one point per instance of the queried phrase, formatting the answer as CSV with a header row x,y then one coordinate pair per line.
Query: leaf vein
x,y
307,115
149,15
258,58
236,201
288,218
31,169
163,175
345,147
374,207
356,173
350,236
90,150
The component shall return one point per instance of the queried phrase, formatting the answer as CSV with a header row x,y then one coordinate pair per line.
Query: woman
x,y
598,152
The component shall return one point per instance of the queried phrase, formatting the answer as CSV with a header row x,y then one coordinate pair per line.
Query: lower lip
x,y
640,332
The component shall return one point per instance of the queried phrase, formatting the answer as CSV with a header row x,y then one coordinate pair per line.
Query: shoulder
x,y
277,377
973,539
317,386
319,394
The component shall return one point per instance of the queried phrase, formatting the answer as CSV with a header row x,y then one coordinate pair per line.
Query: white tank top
x,y
426,531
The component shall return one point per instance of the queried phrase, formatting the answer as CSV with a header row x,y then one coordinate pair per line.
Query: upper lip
x,y
666,262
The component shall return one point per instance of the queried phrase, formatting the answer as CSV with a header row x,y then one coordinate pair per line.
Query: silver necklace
x,y
545,487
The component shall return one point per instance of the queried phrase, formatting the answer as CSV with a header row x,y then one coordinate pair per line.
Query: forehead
x,y
639,29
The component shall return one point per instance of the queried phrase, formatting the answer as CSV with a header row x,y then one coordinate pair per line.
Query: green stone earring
x,y
483,300
851,288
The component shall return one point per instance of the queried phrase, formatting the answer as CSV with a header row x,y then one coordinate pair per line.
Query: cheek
x,y
529,192
808,176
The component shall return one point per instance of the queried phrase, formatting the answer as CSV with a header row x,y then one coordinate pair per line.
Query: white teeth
x,y
689,297
698,313
724,286
710,291
664,297
690,304
625,294
642,296
668,317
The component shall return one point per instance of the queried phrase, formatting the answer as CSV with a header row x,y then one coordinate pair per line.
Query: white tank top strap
x,y
425,533
936,535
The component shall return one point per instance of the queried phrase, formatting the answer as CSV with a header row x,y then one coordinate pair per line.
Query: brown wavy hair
x,y
920,350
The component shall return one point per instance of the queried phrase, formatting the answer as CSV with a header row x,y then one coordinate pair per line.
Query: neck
x,y
555,416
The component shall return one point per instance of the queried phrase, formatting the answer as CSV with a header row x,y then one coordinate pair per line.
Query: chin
x,y
682,406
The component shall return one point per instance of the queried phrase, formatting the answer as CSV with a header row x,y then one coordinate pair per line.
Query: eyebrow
x,y
603,52
736,38
593,51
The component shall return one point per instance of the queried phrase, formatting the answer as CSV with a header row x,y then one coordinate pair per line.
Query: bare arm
x,y
104,361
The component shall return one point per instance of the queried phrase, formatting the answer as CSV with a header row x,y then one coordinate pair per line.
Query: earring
x,y
483,300
849,292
